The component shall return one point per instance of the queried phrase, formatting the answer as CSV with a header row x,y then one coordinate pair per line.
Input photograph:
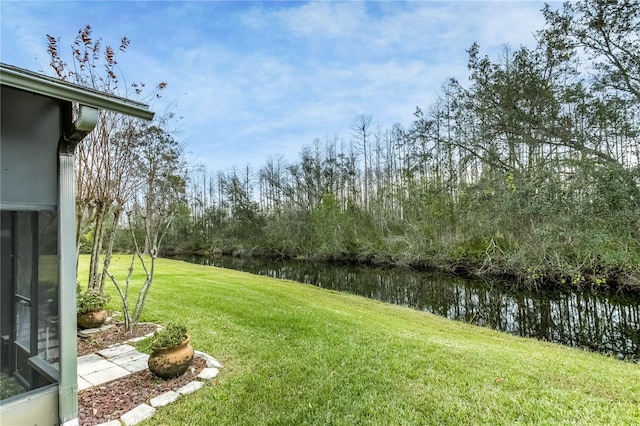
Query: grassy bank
x,y
295,354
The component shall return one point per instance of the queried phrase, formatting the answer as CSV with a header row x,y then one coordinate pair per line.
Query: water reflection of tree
x,y
605,324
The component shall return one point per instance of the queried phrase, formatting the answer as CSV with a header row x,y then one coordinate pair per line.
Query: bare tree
x,y
162,190
104,179
361,128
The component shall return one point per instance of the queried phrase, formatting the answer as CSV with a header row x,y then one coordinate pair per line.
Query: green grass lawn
x,y
296,354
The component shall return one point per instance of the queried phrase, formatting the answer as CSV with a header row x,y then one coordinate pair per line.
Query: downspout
x,y
72,134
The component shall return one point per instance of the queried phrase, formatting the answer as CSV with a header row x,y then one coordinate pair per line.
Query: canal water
x,y
609,324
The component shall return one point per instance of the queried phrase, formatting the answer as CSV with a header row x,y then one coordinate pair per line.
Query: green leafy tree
x,y
608,32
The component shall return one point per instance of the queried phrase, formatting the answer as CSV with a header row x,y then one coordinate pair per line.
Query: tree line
x,y
531,170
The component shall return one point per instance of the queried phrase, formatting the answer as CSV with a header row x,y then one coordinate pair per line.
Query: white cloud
x,y
326,20
260,79
23,42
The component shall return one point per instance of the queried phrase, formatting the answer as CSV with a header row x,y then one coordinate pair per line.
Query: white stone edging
x,y
144,411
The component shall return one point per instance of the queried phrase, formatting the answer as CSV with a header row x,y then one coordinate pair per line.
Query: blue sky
x,y
254,80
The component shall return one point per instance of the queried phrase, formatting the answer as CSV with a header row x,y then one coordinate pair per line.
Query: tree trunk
x,y
96,248
109,251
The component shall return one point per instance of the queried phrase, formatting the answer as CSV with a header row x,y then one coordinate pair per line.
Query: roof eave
x,y
44,85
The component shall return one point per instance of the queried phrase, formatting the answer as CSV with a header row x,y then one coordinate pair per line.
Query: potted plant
x,y
172,353
91,312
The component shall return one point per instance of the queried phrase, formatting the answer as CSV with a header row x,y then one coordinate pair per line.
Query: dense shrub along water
x,y
535,242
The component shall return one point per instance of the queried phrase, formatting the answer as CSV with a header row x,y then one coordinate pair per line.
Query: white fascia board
x,y
58,89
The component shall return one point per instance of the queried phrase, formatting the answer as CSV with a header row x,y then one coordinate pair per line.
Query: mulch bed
x,y
112,336
111,400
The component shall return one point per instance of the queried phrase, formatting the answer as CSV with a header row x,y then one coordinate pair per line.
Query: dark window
x,y
29,273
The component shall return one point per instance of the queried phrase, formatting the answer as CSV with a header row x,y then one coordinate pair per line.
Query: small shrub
x,y
91,300
172,335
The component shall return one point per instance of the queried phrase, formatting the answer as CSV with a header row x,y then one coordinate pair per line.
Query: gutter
x,y
58,89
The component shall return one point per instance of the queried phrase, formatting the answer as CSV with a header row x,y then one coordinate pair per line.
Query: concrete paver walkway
x,y
109,364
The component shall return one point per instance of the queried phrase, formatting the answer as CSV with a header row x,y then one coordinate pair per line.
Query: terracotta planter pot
x,y
92,319
171,362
